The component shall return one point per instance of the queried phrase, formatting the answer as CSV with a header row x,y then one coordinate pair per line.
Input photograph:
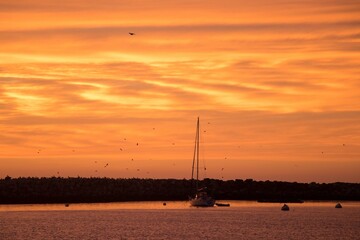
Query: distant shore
x,y
92,190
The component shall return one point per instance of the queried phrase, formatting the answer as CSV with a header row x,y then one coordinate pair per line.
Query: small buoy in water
x,y
67,205
285,208
338,205
164,204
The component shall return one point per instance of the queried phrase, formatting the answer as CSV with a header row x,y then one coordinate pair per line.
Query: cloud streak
x,y
275,82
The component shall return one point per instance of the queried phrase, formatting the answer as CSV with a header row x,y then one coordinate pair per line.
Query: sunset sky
x,y
276,85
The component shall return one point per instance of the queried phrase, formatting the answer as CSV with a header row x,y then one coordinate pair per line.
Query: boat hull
x,y
200,202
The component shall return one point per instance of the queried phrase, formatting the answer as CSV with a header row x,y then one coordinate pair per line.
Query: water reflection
x,y
160,205
177,220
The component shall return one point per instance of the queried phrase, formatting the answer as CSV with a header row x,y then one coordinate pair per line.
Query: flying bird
x,y
131,33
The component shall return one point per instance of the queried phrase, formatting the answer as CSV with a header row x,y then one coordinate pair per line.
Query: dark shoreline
x,y
32,190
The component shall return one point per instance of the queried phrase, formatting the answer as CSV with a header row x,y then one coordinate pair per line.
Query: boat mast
x,y
197,153
196,156
193,163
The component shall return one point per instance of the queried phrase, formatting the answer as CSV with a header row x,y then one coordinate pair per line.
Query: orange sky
x,y
276,85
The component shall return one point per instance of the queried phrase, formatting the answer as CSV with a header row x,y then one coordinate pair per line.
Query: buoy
x,y
338,205
285,208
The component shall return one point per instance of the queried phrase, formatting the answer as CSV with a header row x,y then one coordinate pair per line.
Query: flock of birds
x,y
123,149
138,169
137,145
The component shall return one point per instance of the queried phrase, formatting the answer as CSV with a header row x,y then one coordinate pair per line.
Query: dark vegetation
x,y
75,190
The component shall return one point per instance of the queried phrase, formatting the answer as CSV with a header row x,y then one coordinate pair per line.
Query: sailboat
x,y
200,197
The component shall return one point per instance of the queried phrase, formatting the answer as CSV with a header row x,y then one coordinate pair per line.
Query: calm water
x,y
176,220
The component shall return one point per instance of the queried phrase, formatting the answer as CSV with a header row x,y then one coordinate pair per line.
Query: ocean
x,y
177,220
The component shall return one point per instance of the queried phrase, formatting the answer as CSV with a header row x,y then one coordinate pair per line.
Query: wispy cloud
x,y
271,83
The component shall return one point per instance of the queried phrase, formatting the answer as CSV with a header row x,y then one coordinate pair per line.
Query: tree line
x,y
81,190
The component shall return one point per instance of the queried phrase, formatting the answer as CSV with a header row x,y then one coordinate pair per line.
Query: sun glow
x,y
270,82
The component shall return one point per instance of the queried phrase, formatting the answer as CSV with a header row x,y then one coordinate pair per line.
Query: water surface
x,y
176,220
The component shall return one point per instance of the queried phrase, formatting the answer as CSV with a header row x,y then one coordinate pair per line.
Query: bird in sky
x,y
131,33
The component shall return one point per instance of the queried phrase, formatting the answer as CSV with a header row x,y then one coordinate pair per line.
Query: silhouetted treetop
x,y
64,190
